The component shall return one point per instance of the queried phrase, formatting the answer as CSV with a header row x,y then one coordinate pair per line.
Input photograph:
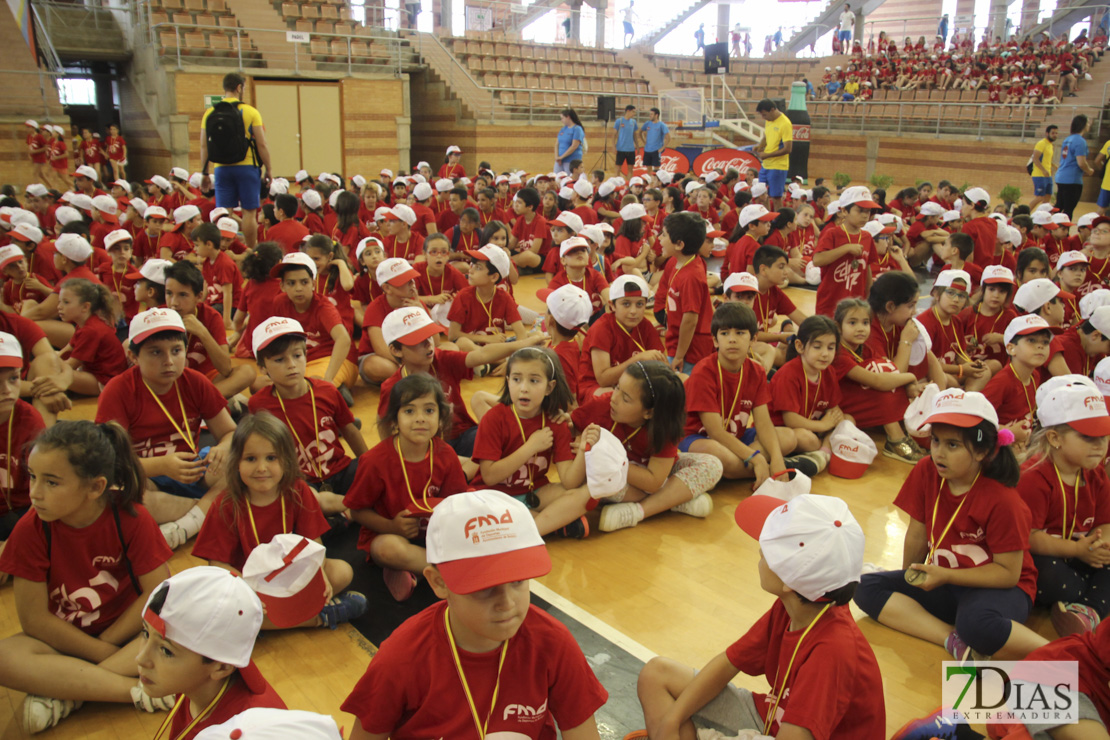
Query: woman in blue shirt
x,y
1073,165
571,142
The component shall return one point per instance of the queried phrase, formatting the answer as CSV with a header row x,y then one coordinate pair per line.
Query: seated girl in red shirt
x,y
946,331
987,317
805,393
94,352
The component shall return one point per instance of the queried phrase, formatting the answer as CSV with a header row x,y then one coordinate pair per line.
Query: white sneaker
x,y
41,712
175,534
148,703
619,516
700,506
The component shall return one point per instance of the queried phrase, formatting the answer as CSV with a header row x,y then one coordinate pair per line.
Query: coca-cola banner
x,y
671,160
723,159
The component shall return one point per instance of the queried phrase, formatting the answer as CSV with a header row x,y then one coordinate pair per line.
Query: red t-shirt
x,y
446,220
1050,507
608,334
688,292
636,440
118,282
15,294
976,326
770,305
196,354
1092,651
586,213
538,229
179,246
451,171
99,351
228,536
845,277
734,399
26,331
81,271
257,302
380,484
350,238
236,700
947,339
114,146
738,256
411,690
218,272
90,151
318,321
289,234
1013,400
449,367
993,520
37,141
593,282
499,436
451,281
833,675
58,158
409,249
1075,356
339,298
24,427
792,391
424,216
128,400
366,288
570,357
477,317
317,430
145,247
314,223
984,232
84,571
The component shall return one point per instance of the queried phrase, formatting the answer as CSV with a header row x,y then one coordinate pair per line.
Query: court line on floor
x,y
588,620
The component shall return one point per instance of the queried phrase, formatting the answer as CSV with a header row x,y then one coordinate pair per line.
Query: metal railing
x,y
49,55
562,99
872,27
458,77
90,18
23,97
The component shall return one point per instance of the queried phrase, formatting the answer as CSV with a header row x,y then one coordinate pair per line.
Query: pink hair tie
x,y
1005,437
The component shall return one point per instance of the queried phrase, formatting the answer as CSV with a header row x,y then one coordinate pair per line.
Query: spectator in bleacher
x,y
629,31
1043,168
571,142
699,37
626,128
847,24
239,185
1073,165
654,138
774,149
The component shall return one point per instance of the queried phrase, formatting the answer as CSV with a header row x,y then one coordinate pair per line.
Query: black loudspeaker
x,y
716,58
606,107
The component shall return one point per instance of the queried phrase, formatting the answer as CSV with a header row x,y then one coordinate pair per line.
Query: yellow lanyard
x,y
1025,389
8,460
420,506
315,428
1064,497
805,393
481,727
488,308
858,358
770,721
683,265
196,720
250,515
524,439
406,245
735,396
960,352
975,323
934,544
185,432
629,335
630,436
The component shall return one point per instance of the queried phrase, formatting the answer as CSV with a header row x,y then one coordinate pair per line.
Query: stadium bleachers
x,y
201,30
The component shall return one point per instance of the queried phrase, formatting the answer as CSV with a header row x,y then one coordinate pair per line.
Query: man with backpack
x,y
233,139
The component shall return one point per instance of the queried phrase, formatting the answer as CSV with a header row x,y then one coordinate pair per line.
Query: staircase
x,y
534,12
825,21
274,48
83,32
645,68
649,41
477,101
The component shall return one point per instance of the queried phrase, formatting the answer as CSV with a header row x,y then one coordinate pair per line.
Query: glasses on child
x,y
1101,230
439,252
954,294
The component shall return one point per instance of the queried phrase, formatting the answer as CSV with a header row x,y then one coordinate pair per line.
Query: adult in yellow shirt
x,y
1043,168
239,185
1104,194
774,149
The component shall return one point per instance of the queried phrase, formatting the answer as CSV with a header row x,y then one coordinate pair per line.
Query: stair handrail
x,y
457,67
45,45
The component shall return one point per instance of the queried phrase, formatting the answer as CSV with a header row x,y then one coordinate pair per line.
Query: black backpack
x,y
226,135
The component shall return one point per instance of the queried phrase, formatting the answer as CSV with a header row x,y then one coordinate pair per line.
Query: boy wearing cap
x,y
150,283
824,678
1071,273
530,238
71,257
520,670
397,279
568,312
689,307
174,244
574,254
425,224
222,280
1079,349
1013,390
105,218
400,242
330,352
199,630
312,409
288,231
1042,297
844,255
147,239
563,227
481,312
117,276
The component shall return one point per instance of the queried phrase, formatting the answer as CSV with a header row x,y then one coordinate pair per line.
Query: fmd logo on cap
x,y
479,526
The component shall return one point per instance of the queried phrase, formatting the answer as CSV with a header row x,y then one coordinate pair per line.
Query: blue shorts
x,y
687,367
238,186
185,490
684,446
1042,186
775,180
845,35
1103,198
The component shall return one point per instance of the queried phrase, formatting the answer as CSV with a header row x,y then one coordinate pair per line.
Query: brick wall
x,y
15,161
189,89
147,153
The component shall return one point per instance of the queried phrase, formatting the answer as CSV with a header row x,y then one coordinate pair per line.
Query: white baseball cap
x,y
569,305
410,326
1076,404
294,259
153,270
38,190
949,216
10,254
812,543
453,150
263,723
217,213
741,282
152,321
443,184
161,182
566,192
139,205
107,206
1101,377
123,184
1043,218
947,277
961,408
1035,293
86,171
570,220
27,233
1085,221
855,196
382,212
755,212
271,329
184,214
1011,234
212,612
495,255
665,176
115,237
11,353
287,575
1071,257
629,286
1030,323
303,175
831,209
279,186
1091,301
151,212
1000,218
359,181
312,200
583,188
228,227
929,208
633,211
853,451
993,274
423,191
977,195
401,212
571,244
422,165
606,464
74,246
606,188
396,271
196,180
876,228
179,172
1100,319
692,186
32,123
81,202
1061,219
362,245
594,233
481,539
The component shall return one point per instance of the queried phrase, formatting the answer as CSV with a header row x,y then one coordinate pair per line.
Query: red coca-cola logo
x,y
723,159
801,133
671,160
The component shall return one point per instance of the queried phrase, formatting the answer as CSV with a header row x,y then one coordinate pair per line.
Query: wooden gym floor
x,y
674,586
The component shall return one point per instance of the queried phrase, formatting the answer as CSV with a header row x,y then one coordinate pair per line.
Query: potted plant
x,y
1010,195
841,180
882,182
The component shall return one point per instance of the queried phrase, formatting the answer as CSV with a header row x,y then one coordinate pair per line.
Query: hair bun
x,y
1005,437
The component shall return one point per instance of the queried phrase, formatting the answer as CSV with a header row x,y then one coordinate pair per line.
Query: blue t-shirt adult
x,y
655,133
1069,172
625,128
567,134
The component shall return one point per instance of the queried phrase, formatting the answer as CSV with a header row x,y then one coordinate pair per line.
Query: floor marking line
x,y
586,619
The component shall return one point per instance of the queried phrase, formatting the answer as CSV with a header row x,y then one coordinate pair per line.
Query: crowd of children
x,y
668,357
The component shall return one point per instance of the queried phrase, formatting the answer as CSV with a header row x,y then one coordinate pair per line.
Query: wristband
x,y
747,463
961,375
